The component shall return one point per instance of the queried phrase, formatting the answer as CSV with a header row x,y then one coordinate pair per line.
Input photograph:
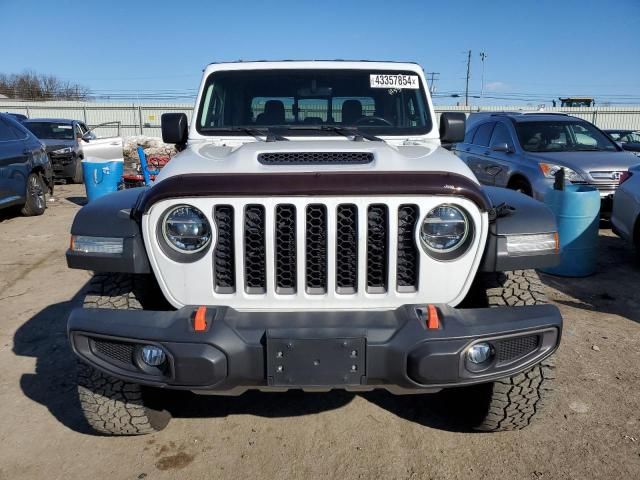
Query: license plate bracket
x,y
314,362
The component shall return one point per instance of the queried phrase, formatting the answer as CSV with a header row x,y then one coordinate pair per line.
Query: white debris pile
x,y
152,146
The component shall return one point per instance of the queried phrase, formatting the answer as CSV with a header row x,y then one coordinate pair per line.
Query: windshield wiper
x,y
256,133
353,133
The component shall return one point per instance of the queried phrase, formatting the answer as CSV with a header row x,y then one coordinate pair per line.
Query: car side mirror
x,y
502,147
452,126
174,128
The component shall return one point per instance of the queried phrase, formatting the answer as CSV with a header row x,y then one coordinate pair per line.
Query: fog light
x,y
479,353
153,356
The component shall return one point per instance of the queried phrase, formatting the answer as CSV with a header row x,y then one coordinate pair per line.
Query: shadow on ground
x,y
614,286
53,385
81,201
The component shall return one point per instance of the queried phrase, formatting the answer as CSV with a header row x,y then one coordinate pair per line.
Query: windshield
x,y
562,136
50,130
301,102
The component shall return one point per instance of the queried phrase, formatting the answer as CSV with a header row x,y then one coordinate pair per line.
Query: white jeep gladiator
x,y
313,234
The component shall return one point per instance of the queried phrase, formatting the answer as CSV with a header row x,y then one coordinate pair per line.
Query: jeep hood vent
x,y
315,158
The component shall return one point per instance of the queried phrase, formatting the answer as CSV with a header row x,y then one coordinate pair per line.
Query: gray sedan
x,y
524,151
625,218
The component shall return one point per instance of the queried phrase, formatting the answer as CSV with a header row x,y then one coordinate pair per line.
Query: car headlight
x,y
63,151
186,229
445,230
549,170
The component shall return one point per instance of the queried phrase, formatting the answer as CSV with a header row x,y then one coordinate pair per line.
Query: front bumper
x,y
64,166
354,350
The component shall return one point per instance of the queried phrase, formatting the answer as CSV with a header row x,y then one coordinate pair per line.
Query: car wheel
x,y
510,403
36,198
77,176
112,406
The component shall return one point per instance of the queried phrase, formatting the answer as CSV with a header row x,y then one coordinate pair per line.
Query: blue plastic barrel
x,y
101,176
577,210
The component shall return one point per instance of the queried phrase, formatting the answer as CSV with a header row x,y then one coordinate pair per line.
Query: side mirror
x,y
502,147
452,126
174,128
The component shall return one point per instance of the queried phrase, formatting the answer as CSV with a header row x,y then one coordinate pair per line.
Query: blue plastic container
x,y
577,210
101,176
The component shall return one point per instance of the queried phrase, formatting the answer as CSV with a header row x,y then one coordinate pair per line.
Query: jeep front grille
x,y
353,237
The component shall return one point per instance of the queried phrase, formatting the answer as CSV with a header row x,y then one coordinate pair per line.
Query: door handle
x,y
468,149
26,151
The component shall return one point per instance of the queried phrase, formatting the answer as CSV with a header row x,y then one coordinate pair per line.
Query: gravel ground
x,y
591,431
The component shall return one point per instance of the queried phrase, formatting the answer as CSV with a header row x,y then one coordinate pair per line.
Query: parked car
x,y
628,139
524,151
26,174
625,217
18,116
333,247
70,141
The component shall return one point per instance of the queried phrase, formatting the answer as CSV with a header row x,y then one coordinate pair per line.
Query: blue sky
x,y
535,49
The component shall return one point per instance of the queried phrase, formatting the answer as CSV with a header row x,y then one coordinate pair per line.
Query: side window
x,y
483,134
78,130
501,135
6,133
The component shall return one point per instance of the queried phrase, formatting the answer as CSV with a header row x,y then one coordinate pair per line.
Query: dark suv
x,y
524,151
25,170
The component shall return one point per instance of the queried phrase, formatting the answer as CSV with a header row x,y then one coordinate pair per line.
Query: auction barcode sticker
x,y
394,81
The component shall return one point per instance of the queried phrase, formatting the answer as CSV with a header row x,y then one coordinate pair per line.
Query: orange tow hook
x,y
200,319
433,320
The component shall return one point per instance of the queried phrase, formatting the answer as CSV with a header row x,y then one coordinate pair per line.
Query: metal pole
x,y
466,89
482,57
140,119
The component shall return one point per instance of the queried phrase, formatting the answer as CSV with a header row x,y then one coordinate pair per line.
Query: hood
x,y
52,144
215,158
585,162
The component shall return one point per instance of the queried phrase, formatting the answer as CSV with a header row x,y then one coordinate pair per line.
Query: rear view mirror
x,y
502,147
174,128
452,127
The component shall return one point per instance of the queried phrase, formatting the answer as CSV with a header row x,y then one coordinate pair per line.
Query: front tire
x,y
36,202
112,406
510,403
77,176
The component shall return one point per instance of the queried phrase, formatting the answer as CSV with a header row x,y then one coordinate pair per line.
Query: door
x,y
477,153
499,163
13,163
106,148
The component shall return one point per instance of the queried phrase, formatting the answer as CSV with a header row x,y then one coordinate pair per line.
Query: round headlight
x,y
186,229
444,229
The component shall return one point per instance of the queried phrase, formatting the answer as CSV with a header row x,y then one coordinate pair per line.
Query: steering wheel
x,y
373,121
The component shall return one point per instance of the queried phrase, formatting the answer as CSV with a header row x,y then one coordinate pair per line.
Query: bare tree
x,y
30,85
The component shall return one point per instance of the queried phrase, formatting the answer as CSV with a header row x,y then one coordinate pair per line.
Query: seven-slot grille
x,y
355,237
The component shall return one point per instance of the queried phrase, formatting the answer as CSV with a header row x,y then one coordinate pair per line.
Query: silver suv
x,y
523,151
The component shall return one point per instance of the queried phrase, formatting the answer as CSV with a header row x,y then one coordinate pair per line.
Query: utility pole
x,y
482,58
432,81
466,90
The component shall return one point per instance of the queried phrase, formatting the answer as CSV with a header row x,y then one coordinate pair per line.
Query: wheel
x,y
112,406
513,402
36,199
77,176
520,185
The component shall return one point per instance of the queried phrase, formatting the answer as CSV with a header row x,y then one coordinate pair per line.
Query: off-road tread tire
x,y
115,407
112,406
30,209
513,402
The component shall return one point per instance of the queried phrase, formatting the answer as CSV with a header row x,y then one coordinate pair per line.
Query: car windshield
x,y
311,102
631,137
51,130
562,136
